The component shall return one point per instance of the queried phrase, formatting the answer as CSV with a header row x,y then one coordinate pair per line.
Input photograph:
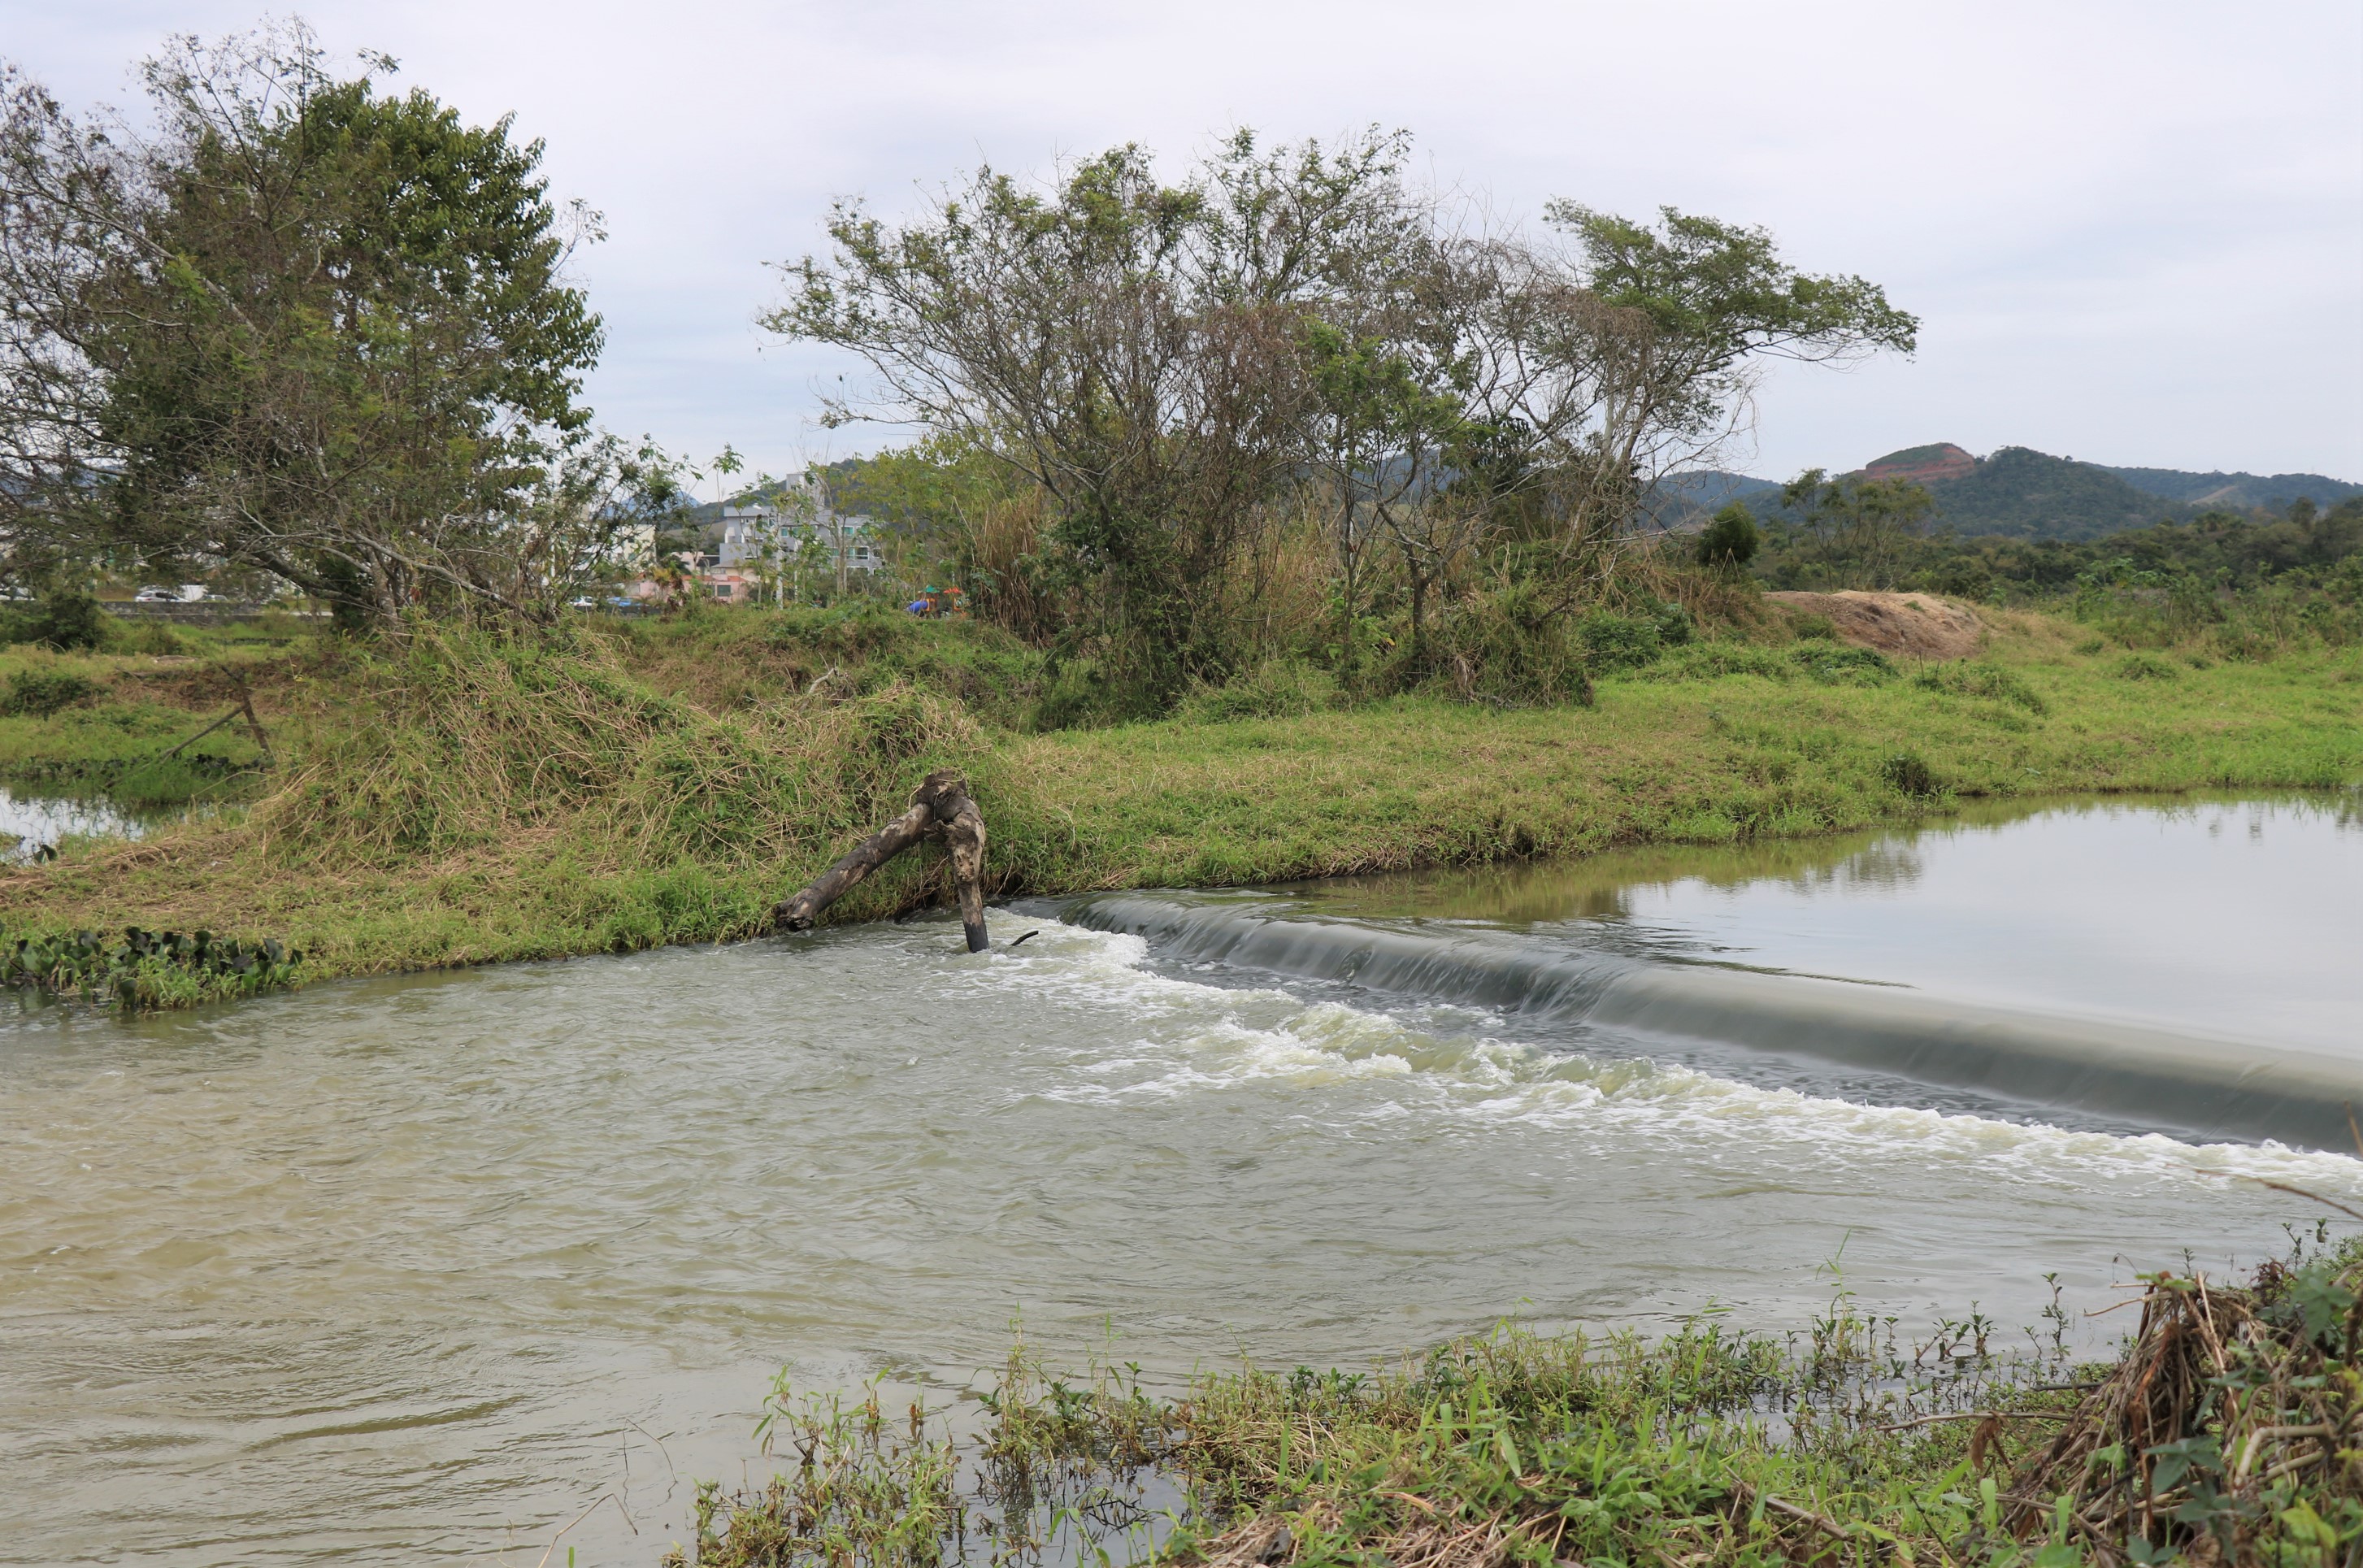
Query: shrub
x,y
1612,642
1908,773
1731,539
63,618
37,692
1510,648
2145,667
1281,688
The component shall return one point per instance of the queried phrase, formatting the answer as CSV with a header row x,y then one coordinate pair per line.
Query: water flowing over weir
x,y
417,1269
2118,1071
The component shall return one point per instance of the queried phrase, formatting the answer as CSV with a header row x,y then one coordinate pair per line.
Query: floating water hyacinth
x,y
147,969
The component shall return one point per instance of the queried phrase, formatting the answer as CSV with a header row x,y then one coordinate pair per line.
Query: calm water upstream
x,y
27,823
417,1269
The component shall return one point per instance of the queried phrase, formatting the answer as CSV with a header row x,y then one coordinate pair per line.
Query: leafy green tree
x,y
1688,311
1860,530
1127,345
302,326
1730,538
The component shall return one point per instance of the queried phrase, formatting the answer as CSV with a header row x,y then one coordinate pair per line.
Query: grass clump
x,y
1908,772
1280,688
2221,1433
1982,678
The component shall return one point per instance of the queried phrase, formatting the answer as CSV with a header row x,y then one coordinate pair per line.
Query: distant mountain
x,y
1923,465
2238,492
2023,493
1681,499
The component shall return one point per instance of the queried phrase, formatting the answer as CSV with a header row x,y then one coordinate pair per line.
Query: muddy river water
x,y
417,1269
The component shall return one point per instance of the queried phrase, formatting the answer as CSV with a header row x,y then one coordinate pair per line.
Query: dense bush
x,y
1511,646
63,618
1731,539
38,692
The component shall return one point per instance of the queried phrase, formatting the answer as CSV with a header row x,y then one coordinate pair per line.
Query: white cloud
x,y
2135,232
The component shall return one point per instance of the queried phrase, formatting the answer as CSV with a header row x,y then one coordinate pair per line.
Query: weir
x,y
2190,1084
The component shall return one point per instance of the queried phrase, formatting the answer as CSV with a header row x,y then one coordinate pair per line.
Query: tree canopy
x,y
1171,364
298,326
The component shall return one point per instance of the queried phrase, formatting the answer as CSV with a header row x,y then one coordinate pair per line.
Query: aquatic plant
x,y
2223,1433
147,969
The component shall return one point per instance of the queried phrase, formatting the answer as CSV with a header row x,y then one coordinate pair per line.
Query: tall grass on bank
x,y
2224,1432
468,797
644,817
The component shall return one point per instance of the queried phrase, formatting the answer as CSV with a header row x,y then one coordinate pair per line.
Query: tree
x,y
1685,311
1129,347
1729,540
303,328
1862,529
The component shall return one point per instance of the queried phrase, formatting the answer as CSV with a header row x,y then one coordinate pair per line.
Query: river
x,y
416,1270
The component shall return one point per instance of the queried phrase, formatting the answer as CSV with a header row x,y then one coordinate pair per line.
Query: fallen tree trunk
x,y
940,809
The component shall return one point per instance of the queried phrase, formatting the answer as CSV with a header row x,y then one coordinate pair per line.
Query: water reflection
x,y
30,824
2231,916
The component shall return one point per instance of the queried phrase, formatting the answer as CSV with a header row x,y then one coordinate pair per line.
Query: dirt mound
x,y
1916,625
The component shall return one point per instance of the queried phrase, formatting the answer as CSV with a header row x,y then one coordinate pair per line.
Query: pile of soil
x,y
1916,625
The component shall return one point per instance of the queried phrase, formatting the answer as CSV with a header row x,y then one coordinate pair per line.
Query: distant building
x,y
785,525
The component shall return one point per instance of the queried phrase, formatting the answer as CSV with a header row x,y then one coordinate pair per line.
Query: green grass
x,y
468,798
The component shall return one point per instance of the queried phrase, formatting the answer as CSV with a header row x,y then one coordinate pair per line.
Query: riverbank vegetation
x,y
2222,1432
469,796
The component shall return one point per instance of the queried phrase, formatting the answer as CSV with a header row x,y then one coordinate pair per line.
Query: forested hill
x,y
2238,492
2019,493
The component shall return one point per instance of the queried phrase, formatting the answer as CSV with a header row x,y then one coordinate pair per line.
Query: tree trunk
x,y
940,807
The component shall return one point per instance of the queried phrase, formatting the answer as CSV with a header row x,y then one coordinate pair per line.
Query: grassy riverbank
x,y
469,798
2221,1433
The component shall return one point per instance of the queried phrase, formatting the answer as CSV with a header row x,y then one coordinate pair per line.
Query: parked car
x,y
156,596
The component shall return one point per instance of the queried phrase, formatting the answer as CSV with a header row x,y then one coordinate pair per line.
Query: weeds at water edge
x,y
2224,1432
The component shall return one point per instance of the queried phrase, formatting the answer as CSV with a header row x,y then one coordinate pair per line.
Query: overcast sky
x,y
2134,233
